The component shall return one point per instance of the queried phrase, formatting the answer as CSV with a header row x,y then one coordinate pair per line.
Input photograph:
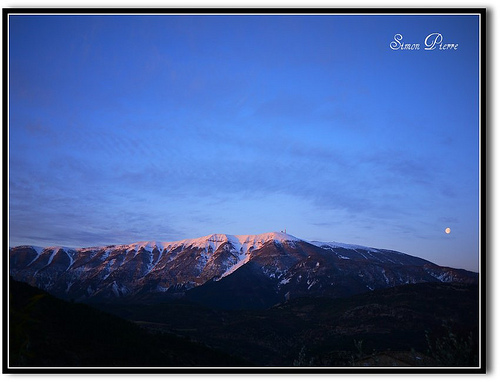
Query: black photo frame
x,y
432,43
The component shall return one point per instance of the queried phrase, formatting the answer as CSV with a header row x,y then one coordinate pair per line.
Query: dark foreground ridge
x,y
430,324
45,331
413,325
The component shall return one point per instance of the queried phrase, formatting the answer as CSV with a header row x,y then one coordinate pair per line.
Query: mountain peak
x,y
265,237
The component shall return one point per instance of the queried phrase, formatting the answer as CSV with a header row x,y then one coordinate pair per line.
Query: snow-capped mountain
x,y
268,268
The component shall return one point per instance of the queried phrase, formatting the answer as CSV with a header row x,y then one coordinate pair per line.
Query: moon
x,y
447,230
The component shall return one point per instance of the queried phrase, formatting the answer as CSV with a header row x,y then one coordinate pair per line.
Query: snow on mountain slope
x,y
210,242
242,246
294,266
334,244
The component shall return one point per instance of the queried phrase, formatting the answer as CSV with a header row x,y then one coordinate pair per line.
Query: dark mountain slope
x,y
48,332
431,323
246,288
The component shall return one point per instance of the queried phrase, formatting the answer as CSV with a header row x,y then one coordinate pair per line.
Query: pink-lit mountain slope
x,y
226,270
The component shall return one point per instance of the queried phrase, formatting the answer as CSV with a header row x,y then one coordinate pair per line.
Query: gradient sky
x,y
129,128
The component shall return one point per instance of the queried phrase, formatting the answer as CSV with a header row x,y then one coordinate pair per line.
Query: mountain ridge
x,y
294,267
214,237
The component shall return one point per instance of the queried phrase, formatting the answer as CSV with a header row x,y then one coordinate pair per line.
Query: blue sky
x,y
128,128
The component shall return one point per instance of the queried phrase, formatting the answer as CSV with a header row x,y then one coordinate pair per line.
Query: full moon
x,y
447,230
